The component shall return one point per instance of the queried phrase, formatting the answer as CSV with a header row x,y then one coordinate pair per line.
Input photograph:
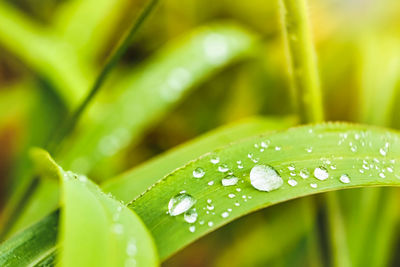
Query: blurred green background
x,y
51,51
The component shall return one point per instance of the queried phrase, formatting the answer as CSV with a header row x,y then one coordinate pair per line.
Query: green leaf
x,y
150,91
331,146
32,245
45,53
108,233
342,149
97,230
132,183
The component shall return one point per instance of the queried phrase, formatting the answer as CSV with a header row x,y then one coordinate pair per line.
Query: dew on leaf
x,y
321,173
198,173
229,180
190,216
180,204
223,168
344,178
265,178
292,182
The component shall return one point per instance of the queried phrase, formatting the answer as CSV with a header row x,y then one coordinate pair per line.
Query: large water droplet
x,y
180,204
229,180
265,178
191,215
198,173
344,178
321,173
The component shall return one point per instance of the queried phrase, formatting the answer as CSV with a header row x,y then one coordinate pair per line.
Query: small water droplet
x,y
118,228
180,204
214,160
223,168
309,149
131,248
382,175
229,180
382,151
210,182
265,178
190,216
198,173
304,173
321,173
313,185
209,201
265,144
231,195
192,228
292,182
225,214
277,148
291,167
237,204
210,207
210,224
344,178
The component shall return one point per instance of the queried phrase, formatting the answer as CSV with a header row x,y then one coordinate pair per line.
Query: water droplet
x,y
277,148
131,248
291,167
180,204
229,180
382,151
313,185
344,178
292,182
216,48
209,201
192,229
321,173
225,214
237,204
210,207
304,173
309,149
118,228
210,224
223,168
265,178
231,195
210,182
214,160
198,173
265,144
382,175
190,216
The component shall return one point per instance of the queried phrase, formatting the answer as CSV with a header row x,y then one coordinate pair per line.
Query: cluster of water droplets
x,y
267,178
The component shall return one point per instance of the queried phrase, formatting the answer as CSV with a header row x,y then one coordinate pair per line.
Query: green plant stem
x,y
306,92
110,63
307,100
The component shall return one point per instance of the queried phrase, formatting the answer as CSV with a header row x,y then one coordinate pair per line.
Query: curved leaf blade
x,y
32,245
108,233
150,92
132,183
332,147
